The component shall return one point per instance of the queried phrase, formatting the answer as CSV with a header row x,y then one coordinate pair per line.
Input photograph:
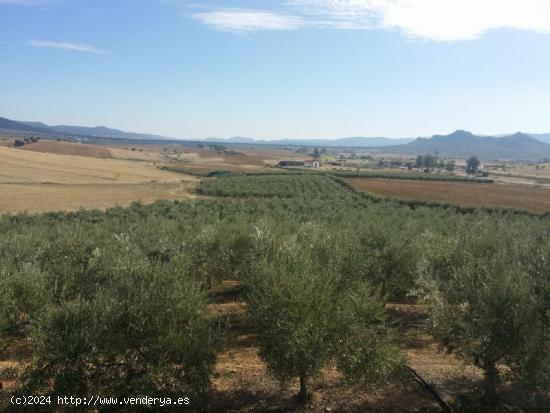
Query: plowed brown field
x,y
528,197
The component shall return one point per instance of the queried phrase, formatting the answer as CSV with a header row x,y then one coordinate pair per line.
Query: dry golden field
x,y
35,181
58,175
66,148
506,195
54,197
272,155
206,160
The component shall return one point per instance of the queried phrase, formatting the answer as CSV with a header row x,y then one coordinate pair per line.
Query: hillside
x,y
543,137
102,132
464,144
352,142
460,143
22,126
84,131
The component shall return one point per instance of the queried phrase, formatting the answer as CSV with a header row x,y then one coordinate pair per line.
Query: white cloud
x,y
243,20
439,20
75,47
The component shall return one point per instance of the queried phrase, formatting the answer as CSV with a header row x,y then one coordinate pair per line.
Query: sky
x,y
278,69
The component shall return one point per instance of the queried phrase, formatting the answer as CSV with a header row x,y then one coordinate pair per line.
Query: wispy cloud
x,y
75,47
436,20
242,20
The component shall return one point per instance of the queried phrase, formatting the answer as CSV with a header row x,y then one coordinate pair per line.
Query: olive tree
x,y
489,309
139,327
310,317
209,256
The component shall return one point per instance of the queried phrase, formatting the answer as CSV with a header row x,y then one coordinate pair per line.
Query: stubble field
x,y
33,181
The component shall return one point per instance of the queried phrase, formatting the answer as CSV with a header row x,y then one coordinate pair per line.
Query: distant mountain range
x,y
360,142
21,126
519,146
93,132
543,137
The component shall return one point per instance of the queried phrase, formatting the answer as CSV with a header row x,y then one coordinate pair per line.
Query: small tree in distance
x,y
316,154
450,166
472,165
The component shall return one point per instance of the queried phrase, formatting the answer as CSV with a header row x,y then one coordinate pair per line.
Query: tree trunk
x,y
490,383
303,395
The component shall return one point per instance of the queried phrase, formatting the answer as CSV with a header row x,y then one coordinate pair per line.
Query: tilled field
x,y
528,197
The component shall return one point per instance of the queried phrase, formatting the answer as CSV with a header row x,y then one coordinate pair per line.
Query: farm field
x,y
69,197
54,175
33,181
255,294
208,160
66,148
505,195
295,206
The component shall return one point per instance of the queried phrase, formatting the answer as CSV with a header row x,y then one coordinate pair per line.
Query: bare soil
x,y
529,197
241,382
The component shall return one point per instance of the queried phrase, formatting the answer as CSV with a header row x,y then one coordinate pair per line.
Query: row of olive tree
x,y
132,282
103,319
490,304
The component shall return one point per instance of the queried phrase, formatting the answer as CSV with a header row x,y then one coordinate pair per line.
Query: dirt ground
x,y
242,383
505,195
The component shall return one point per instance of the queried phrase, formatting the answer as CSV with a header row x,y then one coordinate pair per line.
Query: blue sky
x,y
273,69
